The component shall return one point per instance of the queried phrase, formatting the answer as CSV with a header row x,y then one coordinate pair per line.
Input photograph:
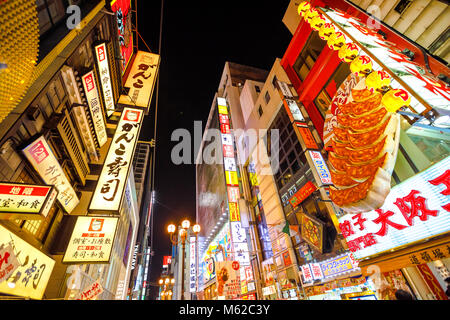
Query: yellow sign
x,y
234,211
92,240
231,178
30,278
223,110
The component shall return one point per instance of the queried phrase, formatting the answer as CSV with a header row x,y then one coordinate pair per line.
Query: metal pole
x,y
182,268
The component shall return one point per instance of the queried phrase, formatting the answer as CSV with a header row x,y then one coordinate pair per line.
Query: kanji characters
x,y
383,218
417,204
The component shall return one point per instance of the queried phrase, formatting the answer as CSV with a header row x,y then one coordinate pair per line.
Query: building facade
x,y
334,53
62,134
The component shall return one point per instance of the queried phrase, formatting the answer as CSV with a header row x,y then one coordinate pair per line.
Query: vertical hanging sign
x,y
105,77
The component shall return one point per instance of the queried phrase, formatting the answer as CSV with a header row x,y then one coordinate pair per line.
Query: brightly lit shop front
x,y
383,115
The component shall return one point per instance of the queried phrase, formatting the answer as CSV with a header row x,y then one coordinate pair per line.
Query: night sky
x,y
198,38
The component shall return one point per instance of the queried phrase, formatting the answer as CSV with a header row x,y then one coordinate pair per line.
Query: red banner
x,y
302,194
432,282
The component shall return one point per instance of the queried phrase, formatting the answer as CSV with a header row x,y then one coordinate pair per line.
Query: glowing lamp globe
x,y
317,23
394,99
185,224
378,80
196,228
326,31
303,8
336,40
361,65
348,52
171,228
311,14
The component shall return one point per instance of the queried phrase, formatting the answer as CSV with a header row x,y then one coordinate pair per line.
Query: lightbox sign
x,y
414,210
321,167
429,90
105,77
95,108
192,263
141,80
45,163
30,276
330,268
111,183
92,240
20,201
122,9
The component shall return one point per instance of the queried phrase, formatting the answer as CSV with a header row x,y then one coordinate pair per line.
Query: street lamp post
x,y
185,224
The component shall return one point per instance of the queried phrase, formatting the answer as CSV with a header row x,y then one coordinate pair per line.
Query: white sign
x,y
269,290
92,291
192,263
141,80
295,110
227,139
416,209
8,262
25,199
241,253
321,167
229,164
307,273
92,240
92,97
45,163
284,87
105,77
71,85
316,271
85,132
30,277
237,232
111,182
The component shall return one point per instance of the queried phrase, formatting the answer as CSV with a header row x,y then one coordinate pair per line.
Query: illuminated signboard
x,y
111,182
20,201
30,276
416,209
92,291
92,97
45,163
321,167
302,194
312,231
192,263
228,281
330,268
141,80
307,137
410,73
167,260
105,77
92,240
122,9
79,114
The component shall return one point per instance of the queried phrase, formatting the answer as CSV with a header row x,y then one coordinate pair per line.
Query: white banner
x,y
105,77
93,99
45,163
112,180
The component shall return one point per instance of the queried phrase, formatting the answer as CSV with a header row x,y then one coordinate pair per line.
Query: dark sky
x,y
198,38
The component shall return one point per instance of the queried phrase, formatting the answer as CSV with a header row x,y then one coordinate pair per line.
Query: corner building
x,y
55,139
402,242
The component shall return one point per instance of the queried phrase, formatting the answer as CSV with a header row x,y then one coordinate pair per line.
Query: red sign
x,y
307,137
302,194
287,258
101,53
225,128
228,151
167,260
223,118
432,282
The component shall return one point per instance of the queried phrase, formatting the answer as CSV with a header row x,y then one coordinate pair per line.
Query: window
x,y
257,89
402,5
274,82
323,99
267,97
260,111
308,56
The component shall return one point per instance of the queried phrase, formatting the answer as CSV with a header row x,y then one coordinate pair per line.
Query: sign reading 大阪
x,y
141,80
105,77
112,180
92,240
415,209
45,163
92,97
28,201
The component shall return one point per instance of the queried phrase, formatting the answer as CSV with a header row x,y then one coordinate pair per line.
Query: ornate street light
x,y
185,224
